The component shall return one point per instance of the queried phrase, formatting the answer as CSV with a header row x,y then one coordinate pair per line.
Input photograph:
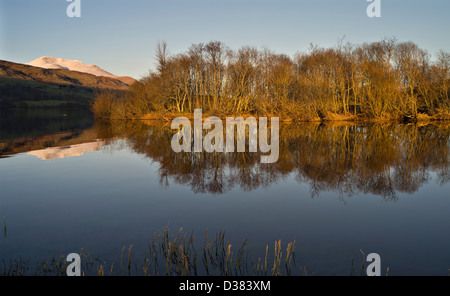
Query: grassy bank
x,y
439,115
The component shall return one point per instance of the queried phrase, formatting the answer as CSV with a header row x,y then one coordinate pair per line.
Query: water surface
x,y
67,182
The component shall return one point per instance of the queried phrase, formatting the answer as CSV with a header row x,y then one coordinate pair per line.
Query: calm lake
x,y
69,183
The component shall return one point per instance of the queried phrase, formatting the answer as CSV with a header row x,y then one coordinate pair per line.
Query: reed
x,y
363,262
121,258
175,253
100,271
277,259
129,260
265,260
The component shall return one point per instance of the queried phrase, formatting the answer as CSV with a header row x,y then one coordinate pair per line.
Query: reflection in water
x,y
28,123
35,129
67,151
104,201
62,139
381,159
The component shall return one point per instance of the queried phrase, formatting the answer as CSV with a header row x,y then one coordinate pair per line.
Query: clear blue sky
x,y
120,36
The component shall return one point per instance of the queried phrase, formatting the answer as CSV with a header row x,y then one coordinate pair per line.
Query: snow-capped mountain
x,y
48,62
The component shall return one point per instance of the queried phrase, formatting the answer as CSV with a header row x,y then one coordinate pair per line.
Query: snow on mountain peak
x,y
48,62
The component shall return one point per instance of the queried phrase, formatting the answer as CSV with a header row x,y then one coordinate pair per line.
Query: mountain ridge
x,y
59,76
25,86
49,62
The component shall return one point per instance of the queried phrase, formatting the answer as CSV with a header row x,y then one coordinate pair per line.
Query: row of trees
x,y
378,80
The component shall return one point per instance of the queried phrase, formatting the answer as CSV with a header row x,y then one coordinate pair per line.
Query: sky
x,y
120,36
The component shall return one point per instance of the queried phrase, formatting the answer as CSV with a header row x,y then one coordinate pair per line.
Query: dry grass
x,y
173,253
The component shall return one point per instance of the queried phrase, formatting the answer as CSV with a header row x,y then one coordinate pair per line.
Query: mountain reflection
x,y
379,159
67,151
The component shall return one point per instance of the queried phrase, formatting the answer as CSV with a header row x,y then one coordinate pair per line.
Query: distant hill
x,y
23,86
47,62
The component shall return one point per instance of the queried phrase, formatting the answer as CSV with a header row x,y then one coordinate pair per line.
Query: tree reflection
x,y
378,159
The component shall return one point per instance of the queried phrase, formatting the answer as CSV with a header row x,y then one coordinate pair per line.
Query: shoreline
x,y
421,118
